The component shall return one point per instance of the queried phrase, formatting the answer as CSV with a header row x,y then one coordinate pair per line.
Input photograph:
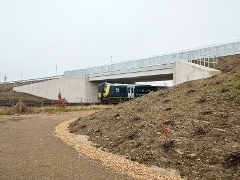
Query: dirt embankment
x,y
193,127
10,98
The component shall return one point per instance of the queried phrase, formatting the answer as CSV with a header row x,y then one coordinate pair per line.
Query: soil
x,y
193,127
11,98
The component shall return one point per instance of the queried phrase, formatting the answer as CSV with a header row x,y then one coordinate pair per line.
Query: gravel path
x,y
29,149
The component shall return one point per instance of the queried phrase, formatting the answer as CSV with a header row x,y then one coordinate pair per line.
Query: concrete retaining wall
x,y
75,89
184,71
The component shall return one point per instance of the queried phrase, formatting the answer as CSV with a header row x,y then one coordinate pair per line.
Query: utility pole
x,y
56,70
5,78
111,59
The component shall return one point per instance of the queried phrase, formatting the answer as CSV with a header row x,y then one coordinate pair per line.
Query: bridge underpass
x,y
146,74
81,85
84,88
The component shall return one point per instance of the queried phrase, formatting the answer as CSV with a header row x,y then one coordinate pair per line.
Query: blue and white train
x,y
116,93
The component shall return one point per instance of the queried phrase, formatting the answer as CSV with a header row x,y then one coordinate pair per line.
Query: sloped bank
x,y
118,163
201,117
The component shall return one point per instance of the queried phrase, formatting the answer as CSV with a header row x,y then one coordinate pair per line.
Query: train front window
x,y
122,90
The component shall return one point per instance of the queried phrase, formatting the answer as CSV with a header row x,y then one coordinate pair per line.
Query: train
x,y
114,93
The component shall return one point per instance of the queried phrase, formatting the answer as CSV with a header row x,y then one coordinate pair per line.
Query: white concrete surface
x,y
151,73
185,71
75,89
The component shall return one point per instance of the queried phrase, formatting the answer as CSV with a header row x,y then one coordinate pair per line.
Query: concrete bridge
x,y
81,85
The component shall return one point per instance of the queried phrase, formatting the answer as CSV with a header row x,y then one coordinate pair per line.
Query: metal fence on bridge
x,y
198,54
32,81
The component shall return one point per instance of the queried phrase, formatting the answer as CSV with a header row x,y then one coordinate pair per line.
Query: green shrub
x,y
2,112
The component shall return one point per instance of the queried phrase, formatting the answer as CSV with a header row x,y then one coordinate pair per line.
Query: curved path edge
x,y
131,168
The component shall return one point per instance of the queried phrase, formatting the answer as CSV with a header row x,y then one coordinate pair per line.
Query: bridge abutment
x,y
75,89
185,71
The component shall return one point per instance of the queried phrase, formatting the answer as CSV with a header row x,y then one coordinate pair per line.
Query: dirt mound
x,y
193,127
11,98
229,64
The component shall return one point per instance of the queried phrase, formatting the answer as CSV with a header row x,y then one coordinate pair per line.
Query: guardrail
x,y
206,61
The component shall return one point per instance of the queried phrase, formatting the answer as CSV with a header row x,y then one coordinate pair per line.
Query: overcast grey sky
x,y
37,35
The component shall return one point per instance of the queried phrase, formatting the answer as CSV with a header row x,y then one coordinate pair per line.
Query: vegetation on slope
x,y
193,127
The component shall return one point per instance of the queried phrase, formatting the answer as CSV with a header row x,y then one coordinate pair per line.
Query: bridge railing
x,y
196,54
74,72
191,55
31,81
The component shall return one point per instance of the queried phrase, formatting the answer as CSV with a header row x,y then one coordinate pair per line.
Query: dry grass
x,y
52,109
